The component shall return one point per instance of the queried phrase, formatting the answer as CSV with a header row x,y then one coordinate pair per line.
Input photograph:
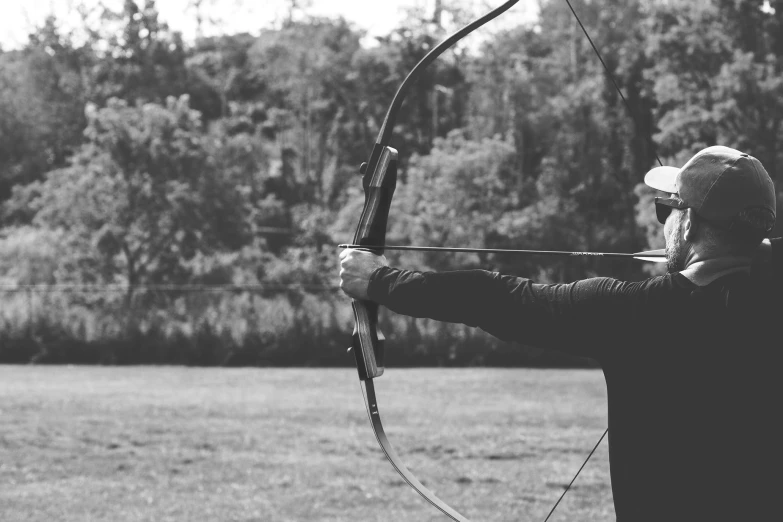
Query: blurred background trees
x,y
165,201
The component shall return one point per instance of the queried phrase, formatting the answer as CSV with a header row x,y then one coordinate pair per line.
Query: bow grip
x,y
379,180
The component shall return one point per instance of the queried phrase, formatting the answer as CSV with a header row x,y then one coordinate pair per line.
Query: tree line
x,y
173,202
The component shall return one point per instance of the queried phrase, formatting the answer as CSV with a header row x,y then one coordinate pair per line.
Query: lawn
x,y
202,444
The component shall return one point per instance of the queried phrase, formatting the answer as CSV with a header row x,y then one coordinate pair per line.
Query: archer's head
x,y
720,203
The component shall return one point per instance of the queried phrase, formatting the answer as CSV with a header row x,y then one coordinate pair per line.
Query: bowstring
x,y
577,474
630,111
608,72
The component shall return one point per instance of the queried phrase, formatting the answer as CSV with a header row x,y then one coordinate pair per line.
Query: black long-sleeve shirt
x,y
693,374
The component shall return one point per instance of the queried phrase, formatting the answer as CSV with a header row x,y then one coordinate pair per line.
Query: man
x,y
691,359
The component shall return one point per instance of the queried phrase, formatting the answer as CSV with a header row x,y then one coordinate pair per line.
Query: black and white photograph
x,y
411,260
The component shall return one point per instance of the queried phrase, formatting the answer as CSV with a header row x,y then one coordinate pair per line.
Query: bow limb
x,y
379,179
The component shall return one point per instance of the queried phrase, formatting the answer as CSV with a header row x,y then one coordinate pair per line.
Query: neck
x,y
705,271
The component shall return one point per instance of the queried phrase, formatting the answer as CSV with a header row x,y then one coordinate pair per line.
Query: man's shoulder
x,y
662,283
616,293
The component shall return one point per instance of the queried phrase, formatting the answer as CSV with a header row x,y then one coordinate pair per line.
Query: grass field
x,y
187,444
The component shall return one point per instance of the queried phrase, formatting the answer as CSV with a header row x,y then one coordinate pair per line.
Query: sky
x,y
378,17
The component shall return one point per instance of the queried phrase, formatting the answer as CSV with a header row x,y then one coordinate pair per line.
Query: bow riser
x,y
379,181
367,341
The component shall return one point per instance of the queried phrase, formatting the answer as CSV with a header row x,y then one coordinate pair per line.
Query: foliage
x,y
130,157
455,196
137,57
139,199
42,97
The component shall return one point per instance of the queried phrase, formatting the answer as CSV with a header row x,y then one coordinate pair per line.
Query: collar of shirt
x,y
702,273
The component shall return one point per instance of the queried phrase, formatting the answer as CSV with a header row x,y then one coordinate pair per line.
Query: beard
x,y
675,251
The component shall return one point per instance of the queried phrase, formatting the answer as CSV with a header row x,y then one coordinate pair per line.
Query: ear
x,y
689,225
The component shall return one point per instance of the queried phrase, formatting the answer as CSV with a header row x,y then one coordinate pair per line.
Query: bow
x,y
379,179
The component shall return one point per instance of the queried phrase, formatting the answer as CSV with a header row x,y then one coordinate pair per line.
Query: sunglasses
x,y
664,206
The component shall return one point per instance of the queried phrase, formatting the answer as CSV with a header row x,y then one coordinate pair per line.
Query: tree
x,y
718,77
43,89
301,70
139,57
139,199
220,67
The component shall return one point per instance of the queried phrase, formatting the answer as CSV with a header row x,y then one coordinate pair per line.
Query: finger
x,y
353,253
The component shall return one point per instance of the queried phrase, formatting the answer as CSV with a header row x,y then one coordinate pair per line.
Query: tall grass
x,y
230,328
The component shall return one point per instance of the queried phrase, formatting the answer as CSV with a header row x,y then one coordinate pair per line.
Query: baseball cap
x,y
718,183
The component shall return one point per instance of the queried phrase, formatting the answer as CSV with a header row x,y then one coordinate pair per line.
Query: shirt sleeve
x,y
568,317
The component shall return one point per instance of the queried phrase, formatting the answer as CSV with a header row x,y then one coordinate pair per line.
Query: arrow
x,y
654,256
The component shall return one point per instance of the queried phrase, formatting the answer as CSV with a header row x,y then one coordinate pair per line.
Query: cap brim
x,y
663,179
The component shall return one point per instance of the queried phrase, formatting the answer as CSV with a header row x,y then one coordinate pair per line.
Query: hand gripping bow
x,y
379,178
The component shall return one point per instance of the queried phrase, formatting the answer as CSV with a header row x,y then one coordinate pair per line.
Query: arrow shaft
x,y
505,251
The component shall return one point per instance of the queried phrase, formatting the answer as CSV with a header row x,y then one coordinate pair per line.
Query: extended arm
x,y
568,317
